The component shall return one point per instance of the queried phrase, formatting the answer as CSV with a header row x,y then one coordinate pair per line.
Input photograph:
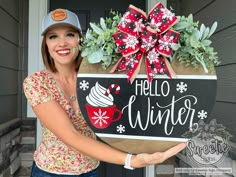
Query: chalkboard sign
x,y
161,110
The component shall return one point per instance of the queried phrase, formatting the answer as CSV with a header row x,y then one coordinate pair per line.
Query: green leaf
x,y
107,60
190,18
95,57
193,41
206,42
181,25
213,28
197,34
175,46
96,29
102,23
89,35
202,29
85,52
206,32
202,63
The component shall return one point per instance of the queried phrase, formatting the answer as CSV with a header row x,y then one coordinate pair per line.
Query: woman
x,y
69,147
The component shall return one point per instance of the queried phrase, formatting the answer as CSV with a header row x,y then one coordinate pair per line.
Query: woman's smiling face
x,y
62,43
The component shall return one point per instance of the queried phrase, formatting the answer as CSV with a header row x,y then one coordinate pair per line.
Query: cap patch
x,y
59,15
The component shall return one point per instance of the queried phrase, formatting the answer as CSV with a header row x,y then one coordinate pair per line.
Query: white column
x,y
37,10
151,3
150,170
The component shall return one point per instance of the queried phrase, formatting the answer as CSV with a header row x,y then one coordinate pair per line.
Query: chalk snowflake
x,y
202,114
84,85
100,117
120,128
181,87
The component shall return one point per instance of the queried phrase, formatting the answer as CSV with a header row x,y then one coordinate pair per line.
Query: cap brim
x,y
66,24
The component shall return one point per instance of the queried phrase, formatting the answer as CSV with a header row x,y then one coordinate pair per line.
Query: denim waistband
x,y
37,172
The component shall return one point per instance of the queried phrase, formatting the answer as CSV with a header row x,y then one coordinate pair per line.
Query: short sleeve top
x,y
53,155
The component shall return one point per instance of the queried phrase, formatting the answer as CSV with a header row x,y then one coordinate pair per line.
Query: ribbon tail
x,y
169,69
158,66
132,78
148,71
133,63
118,66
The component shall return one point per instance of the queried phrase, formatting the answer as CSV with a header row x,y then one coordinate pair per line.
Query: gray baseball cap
x,y
60,16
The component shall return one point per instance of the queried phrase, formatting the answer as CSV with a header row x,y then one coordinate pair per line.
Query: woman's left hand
x,y
144,159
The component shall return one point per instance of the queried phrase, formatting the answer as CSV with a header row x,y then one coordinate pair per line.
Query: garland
x,y
117,38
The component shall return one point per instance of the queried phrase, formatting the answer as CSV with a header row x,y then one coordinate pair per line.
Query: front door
x,y
91,11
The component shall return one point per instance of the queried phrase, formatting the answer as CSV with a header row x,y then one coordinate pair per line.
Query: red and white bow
x,y
150,37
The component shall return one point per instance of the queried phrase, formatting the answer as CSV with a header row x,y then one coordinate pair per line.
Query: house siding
x,y
224,41
9,59
13,67
13,54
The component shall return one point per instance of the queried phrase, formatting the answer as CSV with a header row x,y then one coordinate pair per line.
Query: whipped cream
x,y
97,97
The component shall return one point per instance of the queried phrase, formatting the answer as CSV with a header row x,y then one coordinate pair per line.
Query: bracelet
x,y
128,162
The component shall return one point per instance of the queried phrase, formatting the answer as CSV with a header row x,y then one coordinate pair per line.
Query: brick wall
x,y
27,146
17,144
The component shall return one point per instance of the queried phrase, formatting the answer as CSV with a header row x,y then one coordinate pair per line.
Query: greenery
x,y
194,45
98,44
208,131
193,48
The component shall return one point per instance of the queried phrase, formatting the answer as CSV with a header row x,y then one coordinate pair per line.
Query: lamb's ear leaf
x,y
202,29
103,24
96,29
95,57
213,29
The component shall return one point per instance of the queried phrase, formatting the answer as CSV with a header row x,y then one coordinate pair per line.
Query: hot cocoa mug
x,y
101,117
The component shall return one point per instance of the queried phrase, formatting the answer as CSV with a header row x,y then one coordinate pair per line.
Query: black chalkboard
x,y
164,108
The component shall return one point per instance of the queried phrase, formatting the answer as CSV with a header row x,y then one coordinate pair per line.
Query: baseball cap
x,y
60,16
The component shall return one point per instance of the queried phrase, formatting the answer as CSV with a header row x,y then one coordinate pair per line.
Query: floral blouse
x,y
53,155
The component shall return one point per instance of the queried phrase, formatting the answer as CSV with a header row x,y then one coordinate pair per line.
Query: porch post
x,y
151,170
37,10
150,4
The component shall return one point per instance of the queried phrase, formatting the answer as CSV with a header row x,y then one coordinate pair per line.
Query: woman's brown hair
x,y
49,62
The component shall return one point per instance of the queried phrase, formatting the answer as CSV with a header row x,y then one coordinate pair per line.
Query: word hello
x,y
145,88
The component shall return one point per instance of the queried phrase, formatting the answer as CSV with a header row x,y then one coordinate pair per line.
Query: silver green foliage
x,y
98,45
194,46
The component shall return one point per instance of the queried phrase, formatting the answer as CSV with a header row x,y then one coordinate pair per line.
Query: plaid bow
x,y
140,36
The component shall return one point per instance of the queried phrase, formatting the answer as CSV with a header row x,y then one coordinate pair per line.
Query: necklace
x,y
72,98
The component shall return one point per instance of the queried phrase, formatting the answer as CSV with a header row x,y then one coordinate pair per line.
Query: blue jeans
x,y
37,172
